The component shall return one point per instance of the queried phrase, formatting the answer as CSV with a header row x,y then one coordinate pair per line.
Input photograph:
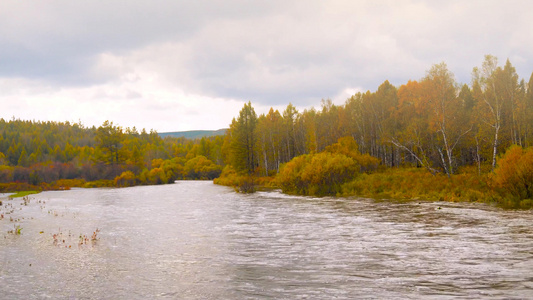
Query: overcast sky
x,y
185,65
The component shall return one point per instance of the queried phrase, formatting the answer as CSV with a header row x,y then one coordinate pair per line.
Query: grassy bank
x,y
244,183
419,184
343,173
23,194
405,184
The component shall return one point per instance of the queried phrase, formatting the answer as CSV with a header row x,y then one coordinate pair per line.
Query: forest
x,y
56,155
432,139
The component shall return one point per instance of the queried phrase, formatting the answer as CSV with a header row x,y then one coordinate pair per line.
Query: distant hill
x,y
194,134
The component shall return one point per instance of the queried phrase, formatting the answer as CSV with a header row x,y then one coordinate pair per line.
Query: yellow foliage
x,y
201,168
242,183
417,183
514,172
127,178
99,183
229,177
367,162
68,183
345,145
289,178
266,181
317,174
156,163
348,146
154,176
173,169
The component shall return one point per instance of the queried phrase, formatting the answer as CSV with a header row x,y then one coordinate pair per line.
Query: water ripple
x,y
195,240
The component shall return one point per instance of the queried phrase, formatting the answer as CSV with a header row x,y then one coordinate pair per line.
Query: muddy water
x,y
196,240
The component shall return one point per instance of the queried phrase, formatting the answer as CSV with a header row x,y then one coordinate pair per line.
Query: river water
x,y
196,240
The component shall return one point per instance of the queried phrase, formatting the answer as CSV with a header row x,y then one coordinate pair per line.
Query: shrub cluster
x,y
514,177
317,174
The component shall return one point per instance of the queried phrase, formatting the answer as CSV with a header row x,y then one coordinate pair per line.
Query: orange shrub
x,y
514,173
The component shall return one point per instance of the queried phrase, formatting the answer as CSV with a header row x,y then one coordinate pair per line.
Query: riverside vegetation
x,y
53,155
431,139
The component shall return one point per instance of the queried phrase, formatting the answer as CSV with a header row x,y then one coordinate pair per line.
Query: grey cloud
x,y
271,52
58,40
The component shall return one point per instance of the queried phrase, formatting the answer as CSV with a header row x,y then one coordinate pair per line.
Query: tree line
x,y
434,123
40,153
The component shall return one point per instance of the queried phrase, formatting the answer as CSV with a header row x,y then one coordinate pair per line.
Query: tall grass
x,y
419,184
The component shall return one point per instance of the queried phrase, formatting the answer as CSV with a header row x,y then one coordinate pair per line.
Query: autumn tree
x,y
269,147
109,139
380,106
445,111
490,103
327,119
354,120
408,129
242,140
528,112
308,132
512,95
290,149
201,168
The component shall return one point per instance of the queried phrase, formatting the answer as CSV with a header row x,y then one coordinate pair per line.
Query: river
x,y
197,240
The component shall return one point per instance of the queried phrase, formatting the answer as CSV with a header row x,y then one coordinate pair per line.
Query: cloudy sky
x,y
185,65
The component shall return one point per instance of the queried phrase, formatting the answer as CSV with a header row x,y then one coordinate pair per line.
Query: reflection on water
x,y
195,240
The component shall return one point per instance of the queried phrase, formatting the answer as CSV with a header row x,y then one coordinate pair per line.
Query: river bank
x,y
403,184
